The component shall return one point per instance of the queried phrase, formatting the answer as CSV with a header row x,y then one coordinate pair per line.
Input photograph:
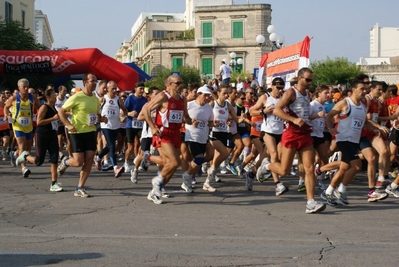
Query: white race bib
x,y
201,125
54,125
222,126
111,112
137,124
357,124
24,121
258,126
34,119
91,118
374,117
176,116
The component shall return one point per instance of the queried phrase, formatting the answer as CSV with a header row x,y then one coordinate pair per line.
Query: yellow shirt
x,y
23,122
84,112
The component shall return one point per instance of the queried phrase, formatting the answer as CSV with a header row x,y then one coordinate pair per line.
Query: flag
x,y
304,60
262,66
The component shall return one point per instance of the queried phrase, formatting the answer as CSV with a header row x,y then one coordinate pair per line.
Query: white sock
x,y
301,182
381,178
329,190
105,161
310,200
393,185
342,188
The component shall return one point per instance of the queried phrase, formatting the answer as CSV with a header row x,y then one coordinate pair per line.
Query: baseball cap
x,y
204,90
337,96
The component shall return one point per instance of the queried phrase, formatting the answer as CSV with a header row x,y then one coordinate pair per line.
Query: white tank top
x,y
233,125
110,109
146,131
350,124
58,103
271,123
220,114
318,124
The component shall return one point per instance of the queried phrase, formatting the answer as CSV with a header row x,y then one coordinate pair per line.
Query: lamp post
x,y
276,40
233,61
239,65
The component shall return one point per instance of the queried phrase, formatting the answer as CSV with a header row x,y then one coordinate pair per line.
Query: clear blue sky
x,y
339,28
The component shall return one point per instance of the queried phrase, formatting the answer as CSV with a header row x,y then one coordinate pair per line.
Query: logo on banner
x,y
29,68
33,62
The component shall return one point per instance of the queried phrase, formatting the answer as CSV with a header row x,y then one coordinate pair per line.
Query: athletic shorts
x,y
296,140
18,134
83,142
327,136
221,136
317,141
276,137
196,148
122,131
5,132
131,133
230,141
145,144
182,137
61,130
364,143
349,151
244,133
394,136
167,137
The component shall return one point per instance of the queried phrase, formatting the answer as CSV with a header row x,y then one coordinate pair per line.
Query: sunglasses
x,y
177,83
123,96
7,93
307,79
242,99
250,93
280,87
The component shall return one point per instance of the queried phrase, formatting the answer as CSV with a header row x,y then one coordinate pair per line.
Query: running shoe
x,y
127,168
12,158
21,158
56,187
301,187
341,197
133,176
211,175
193,181
97,163
186,185
382,184
144,164
280,189
118,171
223,169
157,185
106,167
329,199
25,172
207,187
81,193
164,194
249,180
315,207
262,169
232,168
376,195
61,168
154,198
391,191
320,184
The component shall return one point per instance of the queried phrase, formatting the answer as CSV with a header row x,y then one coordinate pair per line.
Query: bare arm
x,y
341,106
63,117
232,113
187,118
7,106
258,109
156,103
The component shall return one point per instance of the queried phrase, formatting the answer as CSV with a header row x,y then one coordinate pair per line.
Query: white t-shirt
x,y
110,109
225,71
318,124
202,114
240,86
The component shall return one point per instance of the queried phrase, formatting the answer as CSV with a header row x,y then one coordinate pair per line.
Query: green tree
x,y
15,37
333,71
187,73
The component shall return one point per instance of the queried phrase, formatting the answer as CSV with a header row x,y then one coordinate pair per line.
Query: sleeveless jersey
x,y
172,117
300,108
256,129
318,124
232,128
110,109
23,122
52,126
3,124
350,123
271,123
220,114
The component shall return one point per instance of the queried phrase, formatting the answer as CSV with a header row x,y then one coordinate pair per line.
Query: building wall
x,y
43,32
386,73
384,41
18,8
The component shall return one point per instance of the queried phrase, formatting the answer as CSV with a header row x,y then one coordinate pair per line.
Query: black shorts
x,y
5,132
61,130
131,133
349,151
196,148
98,127
327,136
317,141
83,142
221,136
146,143
276,137
230,142
364,143
394,136
122,131
182,137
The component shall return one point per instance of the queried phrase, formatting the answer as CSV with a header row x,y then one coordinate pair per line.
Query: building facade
x,y
43,32
218,31
21,10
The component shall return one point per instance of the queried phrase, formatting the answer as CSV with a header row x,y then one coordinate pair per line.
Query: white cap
x,y
73,90
68,95
204,90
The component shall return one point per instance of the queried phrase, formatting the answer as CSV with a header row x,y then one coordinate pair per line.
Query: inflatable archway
x,y
66,62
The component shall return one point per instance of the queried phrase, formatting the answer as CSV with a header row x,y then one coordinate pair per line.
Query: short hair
x,y
278,80
85,77
356,83
102,82
374,84
320,89
139,84
151,89
49,91
361,77
21,81
302,71
293,81
393,88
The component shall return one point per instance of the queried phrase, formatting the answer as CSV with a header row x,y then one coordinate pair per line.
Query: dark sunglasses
x,y
7,93
250,93
308,79
123,96
177,83
242,99
280,87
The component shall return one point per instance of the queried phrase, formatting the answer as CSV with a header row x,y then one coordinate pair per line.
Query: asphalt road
x,y
118,226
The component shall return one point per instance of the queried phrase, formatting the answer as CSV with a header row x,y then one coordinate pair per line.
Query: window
x,y
8,11
158,34
23,18
207,66
176,63
207,32
237,29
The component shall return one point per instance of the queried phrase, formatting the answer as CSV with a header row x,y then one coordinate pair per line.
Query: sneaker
x,y
232,168
341,197
144,164
382,184
223,169
262,169
249,180
315,207
207,187
238,168
4,155
106,167
293,171
164,194
204,167
391,191
242,173
186,185
61,168
280,189
211,175
157,185
377,195
266,176
97,163
193,181
133,176
330,199
320,185
301,187
22,158
25,172
320,176
81,193
12,158
127,168
56,187
118,171
217,179
120,157
154,198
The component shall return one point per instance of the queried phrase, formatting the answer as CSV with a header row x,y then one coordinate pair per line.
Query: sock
x,y
53,182
105,162
329,190
310,200
393,185
65,163
371,190
381,178
78,187
342,188
275,183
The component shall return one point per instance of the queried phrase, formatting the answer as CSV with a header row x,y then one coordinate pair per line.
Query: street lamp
x,y
233,62
276,40
239,64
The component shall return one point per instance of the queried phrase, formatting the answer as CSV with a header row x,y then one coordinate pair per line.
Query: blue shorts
x,y
18,134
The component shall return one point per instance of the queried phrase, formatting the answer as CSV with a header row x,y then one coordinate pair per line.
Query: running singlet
x,y
318,124
350,124
23,122
220,114
300,108
271,123
110,109
172,117
3,124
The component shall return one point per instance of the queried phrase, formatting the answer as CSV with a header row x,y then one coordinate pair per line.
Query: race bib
x,y
111,112
277,119
357,124
321,124
374,117
201,125
91,118
176,116
137,124
54,125
258,126
2,121
222,126
24,121
34,118
305,112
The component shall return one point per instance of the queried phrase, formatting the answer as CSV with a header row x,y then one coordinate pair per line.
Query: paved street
x,y
118,226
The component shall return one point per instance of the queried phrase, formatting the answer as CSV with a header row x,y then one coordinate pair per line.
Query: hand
x,y
55,117
104,119
321,114
216,123
333,131
384,130
195,123
299,121
71,128
132,113
155,131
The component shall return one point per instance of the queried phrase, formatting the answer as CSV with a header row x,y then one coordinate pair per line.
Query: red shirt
x,y
172,117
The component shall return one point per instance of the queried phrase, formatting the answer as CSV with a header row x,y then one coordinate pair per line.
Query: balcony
x,y
205,42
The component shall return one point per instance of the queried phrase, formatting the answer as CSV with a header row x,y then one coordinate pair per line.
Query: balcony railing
x,y
205,42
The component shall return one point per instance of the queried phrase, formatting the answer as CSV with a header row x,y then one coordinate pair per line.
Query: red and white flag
x,y
304,60
262,66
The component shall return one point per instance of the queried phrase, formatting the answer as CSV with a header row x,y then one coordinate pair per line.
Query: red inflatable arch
x,y
66,62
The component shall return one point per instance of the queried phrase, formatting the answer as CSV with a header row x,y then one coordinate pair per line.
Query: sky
x,y
339,28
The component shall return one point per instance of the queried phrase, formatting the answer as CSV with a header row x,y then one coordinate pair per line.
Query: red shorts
x,y
296,140
168,137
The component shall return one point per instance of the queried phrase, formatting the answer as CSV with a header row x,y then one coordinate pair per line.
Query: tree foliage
x,y
187,73
15,37
333,71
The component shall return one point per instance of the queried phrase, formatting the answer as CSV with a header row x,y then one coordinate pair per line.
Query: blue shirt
x,y
133,103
